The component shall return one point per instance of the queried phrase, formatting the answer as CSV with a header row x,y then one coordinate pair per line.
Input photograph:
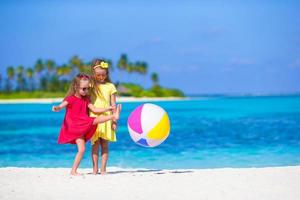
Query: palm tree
x,y
38,68
76,64
86,67
10,74
29,74
144,68
50,65
130,68
141,67
154,78
75,61
66,70
20,77
0,82
45,80
138,67
59,71
53,84
122,64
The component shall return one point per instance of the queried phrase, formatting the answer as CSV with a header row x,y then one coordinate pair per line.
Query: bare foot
x,y
95,172
118,111
75,174
103,173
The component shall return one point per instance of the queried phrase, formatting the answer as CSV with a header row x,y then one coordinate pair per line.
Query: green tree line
x,y
47,76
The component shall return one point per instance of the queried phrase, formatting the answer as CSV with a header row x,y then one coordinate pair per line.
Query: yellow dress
x,y
102,100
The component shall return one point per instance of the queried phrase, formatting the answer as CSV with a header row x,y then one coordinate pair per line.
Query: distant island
x,y
46,79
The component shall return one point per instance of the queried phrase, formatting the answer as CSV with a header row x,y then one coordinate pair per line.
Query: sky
x,y
200,47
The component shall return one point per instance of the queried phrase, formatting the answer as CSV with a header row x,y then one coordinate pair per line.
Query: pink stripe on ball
x,y
134,120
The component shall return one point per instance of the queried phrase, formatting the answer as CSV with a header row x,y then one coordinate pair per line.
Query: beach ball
x,y
148,125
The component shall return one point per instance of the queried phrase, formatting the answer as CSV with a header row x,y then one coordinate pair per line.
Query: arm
x,y
98,110
60,106
113,102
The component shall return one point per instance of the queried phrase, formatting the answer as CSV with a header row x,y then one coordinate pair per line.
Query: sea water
x,y
209,132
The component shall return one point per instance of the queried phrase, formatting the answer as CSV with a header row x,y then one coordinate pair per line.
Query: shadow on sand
x,y
155,171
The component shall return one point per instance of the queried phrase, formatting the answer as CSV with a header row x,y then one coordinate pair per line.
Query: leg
x,y
104,118
104,155
81,148
95,156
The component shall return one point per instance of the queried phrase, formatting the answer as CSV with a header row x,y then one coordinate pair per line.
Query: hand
x,y
55,108
113,108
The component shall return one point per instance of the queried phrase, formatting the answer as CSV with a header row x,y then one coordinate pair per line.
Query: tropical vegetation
x,y
48,79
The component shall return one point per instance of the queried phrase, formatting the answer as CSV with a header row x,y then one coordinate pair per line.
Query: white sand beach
x,y
119,100
274,183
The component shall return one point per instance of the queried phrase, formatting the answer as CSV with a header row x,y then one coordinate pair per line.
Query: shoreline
x,y
119,99
272,183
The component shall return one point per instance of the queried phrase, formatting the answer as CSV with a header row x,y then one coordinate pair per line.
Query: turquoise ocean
x,y
212,132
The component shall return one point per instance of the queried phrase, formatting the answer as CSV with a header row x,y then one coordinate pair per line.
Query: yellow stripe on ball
x,y
161,130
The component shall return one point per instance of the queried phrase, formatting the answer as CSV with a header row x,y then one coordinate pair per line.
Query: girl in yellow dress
x,y
103,95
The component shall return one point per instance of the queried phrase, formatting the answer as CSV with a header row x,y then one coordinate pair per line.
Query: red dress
x,y
76,123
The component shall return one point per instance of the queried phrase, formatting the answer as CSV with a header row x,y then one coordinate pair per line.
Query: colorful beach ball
x,y
148,125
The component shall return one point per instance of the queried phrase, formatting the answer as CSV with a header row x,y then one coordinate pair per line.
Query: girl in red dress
x,y
78,127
